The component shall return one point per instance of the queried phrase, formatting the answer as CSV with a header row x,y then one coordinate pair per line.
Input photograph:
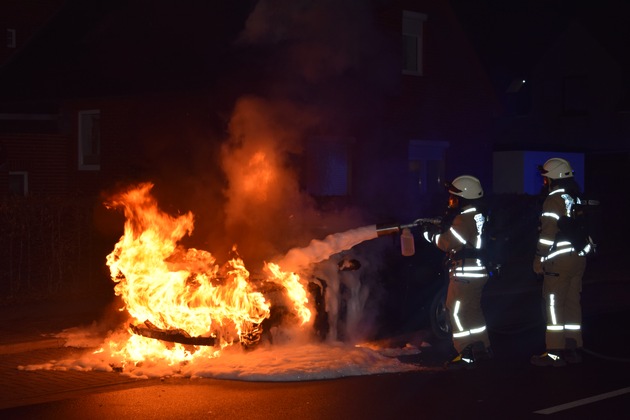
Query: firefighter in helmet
x,y
459,236
562,267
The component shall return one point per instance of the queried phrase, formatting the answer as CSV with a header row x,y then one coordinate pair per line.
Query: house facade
x,y
370,105
405,117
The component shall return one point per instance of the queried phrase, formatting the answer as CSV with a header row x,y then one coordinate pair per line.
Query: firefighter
x,y
562,268
459,236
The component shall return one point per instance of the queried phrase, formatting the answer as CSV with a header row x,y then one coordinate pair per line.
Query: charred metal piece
x,y
174,336
251,338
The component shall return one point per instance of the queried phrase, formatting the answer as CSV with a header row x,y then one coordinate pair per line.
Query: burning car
x,y
182,296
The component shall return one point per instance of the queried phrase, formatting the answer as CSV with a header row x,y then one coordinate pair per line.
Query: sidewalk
x,y
33,325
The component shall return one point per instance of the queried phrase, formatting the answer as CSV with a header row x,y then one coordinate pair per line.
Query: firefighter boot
x,y
549,358
572,352
464,360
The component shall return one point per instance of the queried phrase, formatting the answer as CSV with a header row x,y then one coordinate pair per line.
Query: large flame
x,y
171,288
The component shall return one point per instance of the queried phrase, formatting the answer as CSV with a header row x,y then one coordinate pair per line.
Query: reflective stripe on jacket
x,y
464,233
556,205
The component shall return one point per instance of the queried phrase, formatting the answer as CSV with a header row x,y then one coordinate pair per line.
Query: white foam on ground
x,y
266,362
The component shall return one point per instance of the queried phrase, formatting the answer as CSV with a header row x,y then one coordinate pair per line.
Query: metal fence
x,y
48,248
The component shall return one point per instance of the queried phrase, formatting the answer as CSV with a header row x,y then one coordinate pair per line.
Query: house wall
x,y
576,88
170,139
43,156
516,172
452,102
26,17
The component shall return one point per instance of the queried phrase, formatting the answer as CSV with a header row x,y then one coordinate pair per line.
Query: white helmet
x,y
556,168
466,186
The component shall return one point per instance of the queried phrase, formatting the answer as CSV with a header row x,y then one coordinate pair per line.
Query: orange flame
x,y
172,288
295,291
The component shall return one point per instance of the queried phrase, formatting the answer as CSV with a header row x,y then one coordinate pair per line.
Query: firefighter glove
x,y
429,230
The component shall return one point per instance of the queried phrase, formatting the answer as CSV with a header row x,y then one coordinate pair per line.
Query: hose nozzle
x,y
390,229
387,229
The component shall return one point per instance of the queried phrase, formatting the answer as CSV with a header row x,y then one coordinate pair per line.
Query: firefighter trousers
x,y
562,288
463,301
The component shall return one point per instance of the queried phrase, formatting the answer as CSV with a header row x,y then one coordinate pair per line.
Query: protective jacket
x,y
463,243
551,242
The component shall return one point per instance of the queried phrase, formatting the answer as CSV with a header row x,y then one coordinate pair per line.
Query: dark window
x,y
426,164
328,166
89,140
11,38
412,29
18,183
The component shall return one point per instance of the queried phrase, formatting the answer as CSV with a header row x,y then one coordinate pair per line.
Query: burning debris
x,y
174,336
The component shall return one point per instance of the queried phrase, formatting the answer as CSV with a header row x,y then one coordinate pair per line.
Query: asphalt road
x,y
506,387
499,393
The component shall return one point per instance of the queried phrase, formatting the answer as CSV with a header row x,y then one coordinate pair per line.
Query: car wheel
x,y
440,323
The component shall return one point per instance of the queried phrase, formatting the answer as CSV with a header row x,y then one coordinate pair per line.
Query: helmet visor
x,y
542,170
452,188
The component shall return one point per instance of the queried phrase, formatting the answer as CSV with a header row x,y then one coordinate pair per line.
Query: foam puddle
x,y
275,363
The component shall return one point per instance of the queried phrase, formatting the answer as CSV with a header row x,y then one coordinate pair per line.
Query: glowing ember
x,y
171,288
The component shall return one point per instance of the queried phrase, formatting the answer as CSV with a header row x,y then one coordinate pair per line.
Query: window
x,y
328,166
426,164
412,28
18,183
89,140
11,38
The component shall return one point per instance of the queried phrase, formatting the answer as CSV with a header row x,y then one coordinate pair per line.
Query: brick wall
x,y
43,156
26,17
